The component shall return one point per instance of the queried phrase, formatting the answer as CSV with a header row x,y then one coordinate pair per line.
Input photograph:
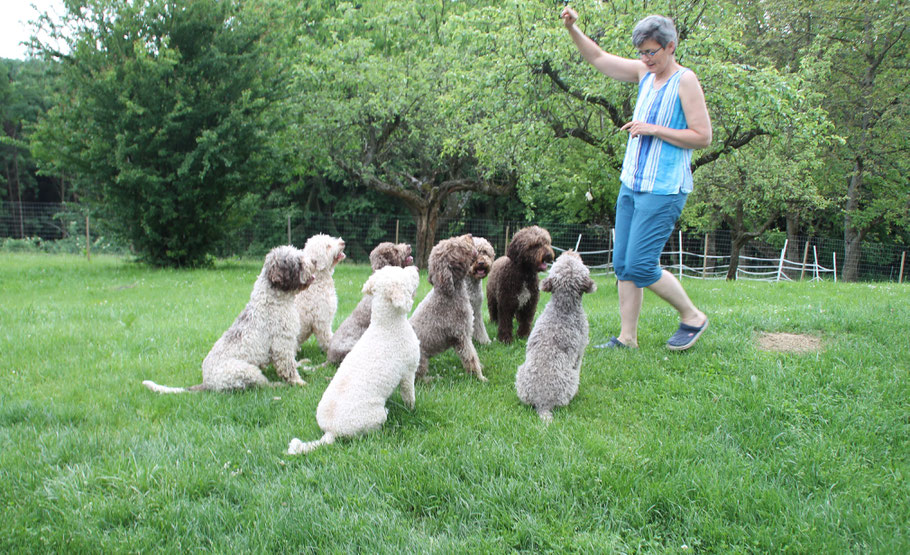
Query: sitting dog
x,y
385,358
444,318
549,376
264,332
317,304
512,288
479,270
347,334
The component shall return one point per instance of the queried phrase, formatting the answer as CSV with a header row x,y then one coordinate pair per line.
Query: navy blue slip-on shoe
x,y
686,336
613,343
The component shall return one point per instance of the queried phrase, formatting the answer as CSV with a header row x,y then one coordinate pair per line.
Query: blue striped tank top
x,y
652,165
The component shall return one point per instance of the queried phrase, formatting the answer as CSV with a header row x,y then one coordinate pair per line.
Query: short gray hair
x,y
655,27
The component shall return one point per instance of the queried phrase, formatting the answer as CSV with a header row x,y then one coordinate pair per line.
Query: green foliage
x,y
723,449
162,115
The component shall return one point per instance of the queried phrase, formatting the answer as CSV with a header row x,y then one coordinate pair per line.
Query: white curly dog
x,y
352,328
264,332
386,357
317,304
550,374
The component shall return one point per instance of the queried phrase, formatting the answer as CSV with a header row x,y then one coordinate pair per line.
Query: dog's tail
x,y
545,415
297,447
165,389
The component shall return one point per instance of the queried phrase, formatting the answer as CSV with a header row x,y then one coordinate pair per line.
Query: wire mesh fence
x,y
72,228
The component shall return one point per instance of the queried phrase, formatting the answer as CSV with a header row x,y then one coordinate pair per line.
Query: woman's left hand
x,y
636,128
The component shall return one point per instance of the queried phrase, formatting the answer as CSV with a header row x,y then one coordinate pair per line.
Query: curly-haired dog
x,y
479,270
444,318
316,305
549,376
347,334
264,332
512,288
385,358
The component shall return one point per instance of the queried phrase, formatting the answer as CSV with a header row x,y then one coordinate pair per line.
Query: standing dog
x,y
385,358
316,306
347,334
444,318
512,288
479,270
549,376
264,332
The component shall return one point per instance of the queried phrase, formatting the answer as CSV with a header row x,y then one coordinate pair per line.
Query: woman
x,y
670,120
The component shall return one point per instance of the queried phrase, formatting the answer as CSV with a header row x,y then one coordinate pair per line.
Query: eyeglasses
x,y
647,53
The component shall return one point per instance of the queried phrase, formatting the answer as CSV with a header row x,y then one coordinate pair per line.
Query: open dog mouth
x,y
409,260
542,267
339,258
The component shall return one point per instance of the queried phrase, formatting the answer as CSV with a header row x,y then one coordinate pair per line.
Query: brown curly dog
x,y
444,318
512,287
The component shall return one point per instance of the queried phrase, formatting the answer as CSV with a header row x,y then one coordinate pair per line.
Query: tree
x,y
23,97
161,118
369,108
557,120
856,56
865,44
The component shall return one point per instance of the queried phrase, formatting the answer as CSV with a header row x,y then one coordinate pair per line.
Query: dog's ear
x,y
590,286
379,257
400,297
324,261
284,272
368,286
440,276
547,285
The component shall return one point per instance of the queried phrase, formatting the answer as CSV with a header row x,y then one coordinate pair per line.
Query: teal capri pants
x,y
644,222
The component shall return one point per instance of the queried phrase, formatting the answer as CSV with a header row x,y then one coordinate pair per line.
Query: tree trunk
x,y
853,236
736,246
853,242
793,247
427,219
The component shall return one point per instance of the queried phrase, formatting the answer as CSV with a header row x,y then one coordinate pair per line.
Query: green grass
x,y
724,448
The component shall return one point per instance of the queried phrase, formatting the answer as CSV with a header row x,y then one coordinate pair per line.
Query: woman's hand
x,y
636,128
569,17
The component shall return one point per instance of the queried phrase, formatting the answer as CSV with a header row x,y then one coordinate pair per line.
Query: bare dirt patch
x,y
788,342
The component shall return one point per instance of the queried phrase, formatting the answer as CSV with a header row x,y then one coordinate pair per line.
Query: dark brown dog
x,y
512,288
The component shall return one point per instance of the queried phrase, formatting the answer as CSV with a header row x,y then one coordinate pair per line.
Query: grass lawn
x,y
724,448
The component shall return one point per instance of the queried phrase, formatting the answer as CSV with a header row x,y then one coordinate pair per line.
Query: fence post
x,y
396,231
834,264
704,266
612,248
289,229
679,238
900,278
815,267
88,243
805,256
780,265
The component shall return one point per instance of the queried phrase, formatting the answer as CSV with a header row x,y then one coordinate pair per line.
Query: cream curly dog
x,y
549,376
317,304
512,288
479,270
347,334
444,318
385,358
264,332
